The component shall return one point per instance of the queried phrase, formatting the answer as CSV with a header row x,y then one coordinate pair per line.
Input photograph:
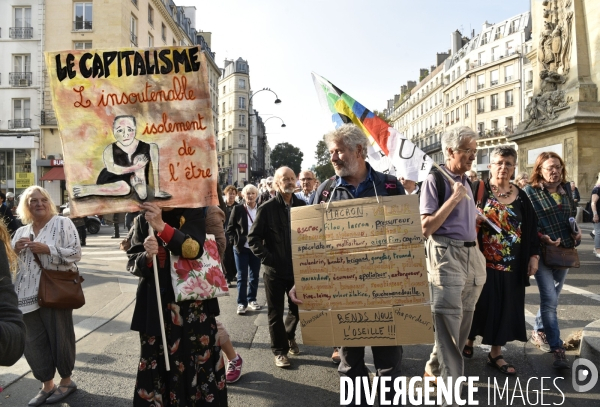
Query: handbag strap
x,y
37,260
246,209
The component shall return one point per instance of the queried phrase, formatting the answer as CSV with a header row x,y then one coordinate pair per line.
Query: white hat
x,y
10,195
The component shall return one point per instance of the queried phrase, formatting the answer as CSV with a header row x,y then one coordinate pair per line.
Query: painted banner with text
x,y
360,271
136,126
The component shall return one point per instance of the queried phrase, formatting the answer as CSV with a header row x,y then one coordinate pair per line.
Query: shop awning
x,y
55,174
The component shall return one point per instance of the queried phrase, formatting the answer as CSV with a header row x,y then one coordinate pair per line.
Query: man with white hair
x,y
456,267
270,240
269,193
307,183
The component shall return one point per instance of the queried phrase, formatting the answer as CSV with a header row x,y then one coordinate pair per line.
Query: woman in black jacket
x,y
511,249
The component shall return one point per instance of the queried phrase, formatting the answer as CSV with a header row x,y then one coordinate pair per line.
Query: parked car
x,y
92,223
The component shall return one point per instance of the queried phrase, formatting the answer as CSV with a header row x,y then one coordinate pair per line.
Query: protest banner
x,y
136,126
388,151
360,270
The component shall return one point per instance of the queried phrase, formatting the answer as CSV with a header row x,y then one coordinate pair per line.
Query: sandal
x,y
468,351
503,368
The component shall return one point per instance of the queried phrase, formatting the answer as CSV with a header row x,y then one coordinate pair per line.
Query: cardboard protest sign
x,y
363,255
135,125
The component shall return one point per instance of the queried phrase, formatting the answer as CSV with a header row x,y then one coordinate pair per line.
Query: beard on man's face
x,y
345,168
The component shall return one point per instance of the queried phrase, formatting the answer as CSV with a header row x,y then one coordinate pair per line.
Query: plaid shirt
x,y
552,220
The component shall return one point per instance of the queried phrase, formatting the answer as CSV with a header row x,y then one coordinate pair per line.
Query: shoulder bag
x,y
560,257
201,278
59,289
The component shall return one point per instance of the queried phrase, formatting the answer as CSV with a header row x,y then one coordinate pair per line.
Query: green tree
x,y
288,155
324,168
381,116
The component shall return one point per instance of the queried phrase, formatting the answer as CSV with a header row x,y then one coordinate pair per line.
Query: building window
x,y
495,125
150,15
480,81
242,158
466,109
447,100
22,23
224,88
499,32
508,124
82,45
133,31
447,119
223,126
494,101
480,105
82,16
163,32
494,77
508,73
481,58
242,120
452,117
457,113
494,55
150,41
20,118
241,103
513,26
485,38
242,141
223,107
508,98
509,48
480,129
21,74
242,83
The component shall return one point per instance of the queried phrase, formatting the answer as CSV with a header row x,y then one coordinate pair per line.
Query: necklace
x,y
499,194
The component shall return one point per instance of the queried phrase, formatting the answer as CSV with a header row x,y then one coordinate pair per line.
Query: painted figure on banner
x,y
126,164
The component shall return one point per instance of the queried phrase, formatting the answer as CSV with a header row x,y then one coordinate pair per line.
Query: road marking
x,y
529,318
94,252
579,291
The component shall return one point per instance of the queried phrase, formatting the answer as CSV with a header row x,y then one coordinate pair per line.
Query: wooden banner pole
x,y
445,174
160,311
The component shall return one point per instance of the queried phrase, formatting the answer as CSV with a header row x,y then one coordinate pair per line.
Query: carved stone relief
x,y
569,156
554,55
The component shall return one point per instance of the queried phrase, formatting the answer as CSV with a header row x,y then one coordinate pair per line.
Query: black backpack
x,y
329,186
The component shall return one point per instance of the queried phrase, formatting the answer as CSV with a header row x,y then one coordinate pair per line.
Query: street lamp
x,y
277,117
277,101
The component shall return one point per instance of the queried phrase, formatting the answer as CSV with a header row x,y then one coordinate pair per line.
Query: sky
x,y
366,48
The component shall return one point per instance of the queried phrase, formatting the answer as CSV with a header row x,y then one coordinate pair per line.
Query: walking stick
x,y
160,312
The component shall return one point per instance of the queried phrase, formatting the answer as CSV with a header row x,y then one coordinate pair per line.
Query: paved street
x,y
107,350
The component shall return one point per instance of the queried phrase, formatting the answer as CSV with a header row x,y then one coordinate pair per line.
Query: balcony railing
x,y
507,78
134,39
19,78
82,25
492,83
242,145
432,147
494,107
23,33
19,124
466,115
480,110
509,103
480,86
48,118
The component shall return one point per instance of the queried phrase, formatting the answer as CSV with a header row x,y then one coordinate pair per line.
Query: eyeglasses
x,y
472,151
506,165
306,179
553,168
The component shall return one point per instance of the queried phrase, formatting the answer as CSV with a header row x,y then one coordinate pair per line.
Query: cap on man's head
x,y
10,195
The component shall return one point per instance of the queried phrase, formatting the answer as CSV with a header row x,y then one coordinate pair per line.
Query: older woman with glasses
x,y
511,249
551,197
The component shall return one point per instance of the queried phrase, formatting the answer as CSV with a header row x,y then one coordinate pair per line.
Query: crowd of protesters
x,y
485,239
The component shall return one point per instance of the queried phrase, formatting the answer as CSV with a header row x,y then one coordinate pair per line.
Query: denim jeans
x,y
597,237
246,261
550,283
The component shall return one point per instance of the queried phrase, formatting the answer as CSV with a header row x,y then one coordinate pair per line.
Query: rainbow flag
x,y
389,151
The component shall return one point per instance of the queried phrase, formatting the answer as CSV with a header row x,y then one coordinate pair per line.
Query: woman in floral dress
x,y
197,374
511,250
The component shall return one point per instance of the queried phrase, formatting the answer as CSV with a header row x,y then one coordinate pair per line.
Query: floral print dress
x,y
499,316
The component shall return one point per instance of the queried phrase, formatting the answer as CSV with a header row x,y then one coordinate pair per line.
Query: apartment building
x,y
106,24
203,40
484,84
21,84
233,150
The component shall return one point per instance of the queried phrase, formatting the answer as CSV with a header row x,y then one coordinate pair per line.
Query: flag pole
x,y
159,300
445,174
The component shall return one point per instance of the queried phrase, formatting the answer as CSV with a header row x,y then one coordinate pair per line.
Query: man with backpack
x,y
456,267
356,179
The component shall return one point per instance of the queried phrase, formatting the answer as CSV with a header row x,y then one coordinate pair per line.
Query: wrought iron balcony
x,y
23,33
432,147
19,78
82,25
19,124
494,107
480,86
48,118
480,110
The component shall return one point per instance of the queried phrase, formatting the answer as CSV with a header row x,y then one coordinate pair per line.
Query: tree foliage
x,y
324,168
288,155
382,116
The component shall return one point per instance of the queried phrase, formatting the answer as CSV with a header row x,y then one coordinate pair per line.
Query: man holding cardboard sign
x,y
270,241
356,179
456,267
